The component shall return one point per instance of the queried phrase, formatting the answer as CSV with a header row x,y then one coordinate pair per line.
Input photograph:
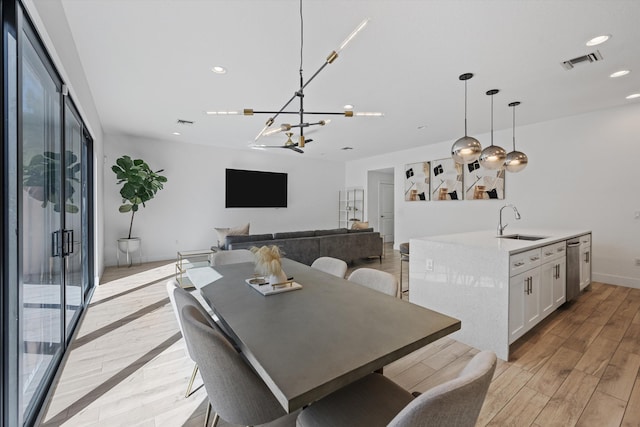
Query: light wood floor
x,y
128,367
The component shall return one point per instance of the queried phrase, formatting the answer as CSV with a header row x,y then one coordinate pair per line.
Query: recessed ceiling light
x,y
219,70
598,40
176,133
348,107
633,96
619,73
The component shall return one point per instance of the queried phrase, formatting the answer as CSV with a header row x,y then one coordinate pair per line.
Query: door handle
x,y
55,243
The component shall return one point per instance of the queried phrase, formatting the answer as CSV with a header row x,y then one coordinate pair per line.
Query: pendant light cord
x,y
514,128
301,37
492,120
465,108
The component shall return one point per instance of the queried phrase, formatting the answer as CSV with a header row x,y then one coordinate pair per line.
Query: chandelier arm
x,y
306,112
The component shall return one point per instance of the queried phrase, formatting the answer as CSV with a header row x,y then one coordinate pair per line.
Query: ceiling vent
x,y
584,59
185,122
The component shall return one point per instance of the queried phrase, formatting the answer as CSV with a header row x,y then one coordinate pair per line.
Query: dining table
x,y
320,337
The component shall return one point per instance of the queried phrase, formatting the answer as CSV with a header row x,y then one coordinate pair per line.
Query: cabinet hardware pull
x,y
560,249
548,253
535,258
518,264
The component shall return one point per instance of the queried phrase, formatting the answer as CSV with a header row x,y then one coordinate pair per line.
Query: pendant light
x,y
516,160
492,157
466,149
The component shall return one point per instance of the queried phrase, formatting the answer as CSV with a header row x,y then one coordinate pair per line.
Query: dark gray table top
x,y
310,342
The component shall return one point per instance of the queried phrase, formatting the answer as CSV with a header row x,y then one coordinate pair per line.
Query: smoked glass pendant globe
x,y
516,161
493,157
466,150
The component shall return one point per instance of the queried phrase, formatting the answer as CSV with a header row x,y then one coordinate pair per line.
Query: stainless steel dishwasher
x,y
573,268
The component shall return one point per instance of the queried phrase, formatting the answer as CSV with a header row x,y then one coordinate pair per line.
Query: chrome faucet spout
x,y
515,212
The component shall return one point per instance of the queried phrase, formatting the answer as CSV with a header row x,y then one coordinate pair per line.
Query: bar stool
x,y
404,257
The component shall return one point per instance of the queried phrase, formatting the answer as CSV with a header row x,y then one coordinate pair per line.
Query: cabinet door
x,y
560,284
548,273
532,301
517,295
585,266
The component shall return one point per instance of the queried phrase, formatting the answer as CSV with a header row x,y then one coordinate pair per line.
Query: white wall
x,y
184,214
583,174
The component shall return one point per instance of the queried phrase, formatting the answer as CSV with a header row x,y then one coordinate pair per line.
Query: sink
x,y
521,237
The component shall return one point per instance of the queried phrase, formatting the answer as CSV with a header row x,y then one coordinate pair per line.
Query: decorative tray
x,y
265,288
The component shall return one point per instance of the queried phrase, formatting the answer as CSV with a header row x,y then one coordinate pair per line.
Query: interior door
x,y
386,209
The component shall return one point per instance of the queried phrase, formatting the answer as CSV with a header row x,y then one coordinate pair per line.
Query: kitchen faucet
x,y
502,227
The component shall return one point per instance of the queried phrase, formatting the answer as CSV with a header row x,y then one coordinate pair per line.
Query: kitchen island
x,y
499,287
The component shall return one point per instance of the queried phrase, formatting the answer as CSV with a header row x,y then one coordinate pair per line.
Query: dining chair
x,y
377,401
180,297
236,393
378,280
333,266
233,256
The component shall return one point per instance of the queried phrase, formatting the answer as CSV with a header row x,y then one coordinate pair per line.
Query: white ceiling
x,y
148,64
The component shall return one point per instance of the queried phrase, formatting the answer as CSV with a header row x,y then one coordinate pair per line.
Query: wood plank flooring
x,y
128,367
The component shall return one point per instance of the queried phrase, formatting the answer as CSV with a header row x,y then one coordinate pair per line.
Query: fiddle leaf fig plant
x,y
140,184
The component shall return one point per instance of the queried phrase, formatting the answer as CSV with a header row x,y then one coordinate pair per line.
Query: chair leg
x,y
193,377
216,417
206,414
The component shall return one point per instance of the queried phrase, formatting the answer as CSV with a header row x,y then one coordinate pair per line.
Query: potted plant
x,y
140,184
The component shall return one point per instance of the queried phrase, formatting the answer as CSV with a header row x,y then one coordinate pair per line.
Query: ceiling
x,y
148,64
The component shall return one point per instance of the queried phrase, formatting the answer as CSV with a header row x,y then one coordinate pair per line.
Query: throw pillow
x,y
359,225
242,230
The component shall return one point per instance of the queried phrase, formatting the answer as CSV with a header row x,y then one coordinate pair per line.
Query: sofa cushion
x,y
249,238
359,225
329,232
293,234
361,230
241,230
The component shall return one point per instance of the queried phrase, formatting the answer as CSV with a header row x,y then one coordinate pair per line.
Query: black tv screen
x,y
255,189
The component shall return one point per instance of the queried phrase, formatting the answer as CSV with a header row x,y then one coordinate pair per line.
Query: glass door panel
x,y
75,258
40,312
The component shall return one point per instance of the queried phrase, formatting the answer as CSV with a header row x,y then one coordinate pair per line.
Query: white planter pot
x,y
128,247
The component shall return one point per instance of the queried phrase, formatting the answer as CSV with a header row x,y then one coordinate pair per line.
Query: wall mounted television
x,y
255,189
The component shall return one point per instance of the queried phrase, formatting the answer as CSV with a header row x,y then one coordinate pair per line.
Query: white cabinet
x,y
537,286
524,293
553,281
524,302
350,207
585,261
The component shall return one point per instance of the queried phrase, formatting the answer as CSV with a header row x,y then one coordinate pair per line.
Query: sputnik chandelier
x,y
299,94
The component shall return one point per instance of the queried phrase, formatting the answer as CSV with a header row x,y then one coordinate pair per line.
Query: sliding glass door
x,y
41,314
47,265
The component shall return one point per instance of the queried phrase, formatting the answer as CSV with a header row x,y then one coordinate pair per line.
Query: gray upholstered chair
x,y
235,391
180,298
333,266
234,256
172,284
378,280
378,401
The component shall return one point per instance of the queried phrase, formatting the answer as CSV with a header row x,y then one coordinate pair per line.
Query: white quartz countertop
x,y
489,240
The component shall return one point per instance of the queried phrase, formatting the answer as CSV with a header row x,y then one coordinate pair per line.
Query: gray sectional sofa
x,y
307,246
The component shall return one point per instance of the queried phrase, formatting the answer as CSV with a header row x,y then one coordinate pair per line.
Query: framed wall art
x,y
481,183
446,180
416,181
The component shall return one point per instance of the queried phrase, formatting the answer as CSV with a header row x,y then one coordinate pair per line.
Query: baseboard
x,y
630,282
